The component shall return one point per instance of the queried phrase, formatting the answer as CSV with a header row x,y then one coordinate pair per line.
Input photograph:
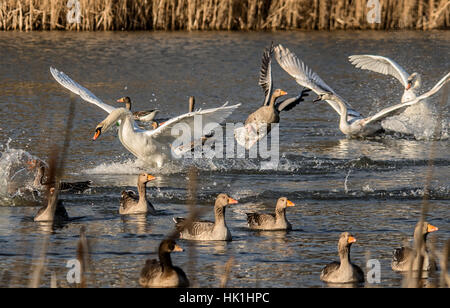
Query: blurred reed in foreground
x,y
26,15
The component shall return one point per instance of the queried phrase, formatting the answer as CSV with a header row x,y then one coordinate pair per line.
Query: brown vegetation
x,y
26,15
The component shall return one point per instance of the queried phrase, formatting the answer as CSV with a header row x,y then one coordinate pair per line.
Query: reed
x,y
98,15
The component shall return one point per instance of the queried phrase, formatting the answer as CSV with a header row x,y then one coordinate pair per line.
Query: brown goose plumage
x,y
344,271
276,221
130,203
143,116
406,258
162,273
54,210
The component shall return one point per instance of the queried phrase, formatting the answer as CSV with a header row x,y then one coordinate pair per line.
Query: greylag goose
x,y
130,203
344,271
39,165
143,116
352,123
153,146
386,66
207,230
276,221
162,273
406,258
259,123
54,210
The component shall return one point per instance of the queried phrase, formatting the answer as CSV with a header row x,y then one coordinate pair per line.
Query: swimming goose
x,y
344,271
352,123
130,203
162,273
143,116
153,146
386,66
259,123
76,187
207,230
54,210
275,221
405,257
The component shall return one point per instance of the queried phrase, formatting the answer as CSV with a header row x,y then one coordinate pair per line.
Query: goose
x,y
153,146
405,257
54,210
259,123
41,170
162,273
276,221
352,123
344,271
379,64
142,116
130,203
207,230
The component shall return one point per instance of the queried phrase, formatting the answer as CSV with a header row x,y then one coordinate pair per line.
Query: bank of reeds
x,y
97,15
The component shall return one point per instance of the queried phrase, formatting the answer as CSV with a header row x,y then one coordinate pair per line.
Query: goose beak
x,y
121,100
351,239
150,177
98,132
290,203
232,201
283,93
178,248
155,125
431,228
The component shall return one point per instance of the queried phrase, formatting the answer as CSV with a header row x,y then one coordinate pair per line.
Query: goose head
x,y
345,241
168,246
283,203
144,178
414,81
110,121
278,93
223,200
126,100
424,229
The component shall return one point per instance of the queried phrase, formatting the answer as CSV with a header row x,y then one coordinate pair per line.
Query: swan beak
x,y
121,100
178,248
232,201
351,240
431,228
290,203
408,86
150,177
283,93
98,131
155,125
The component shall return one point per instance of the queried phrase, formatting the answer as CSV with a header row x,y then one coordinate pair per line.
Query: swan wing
x,y
78,89
265,75
308,78
434,90
213,115
380,65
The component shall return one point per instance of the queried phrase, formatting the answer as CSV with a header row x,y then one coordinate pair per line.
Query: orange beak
x,y
283,93
155,125
150,177
351,239
232,201
178,248
290,203
408,86
431,228
98,131
31,164
121,100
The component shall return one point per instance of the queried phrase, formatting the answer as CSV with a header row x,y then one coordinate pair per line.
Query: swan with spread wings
x,y
153,146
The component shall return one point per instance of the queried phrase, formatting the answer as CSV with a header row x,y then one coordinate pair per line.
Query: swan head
x,y
126,100
110,121
414,81
223,200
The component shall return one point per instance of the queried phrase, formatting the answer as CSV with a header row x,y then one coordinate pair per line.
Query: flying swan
x,y
352,123
153,146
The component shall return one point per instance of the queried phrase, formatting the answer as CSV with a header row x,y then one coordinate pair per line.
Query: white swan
x,y
352,123
153,146
386,66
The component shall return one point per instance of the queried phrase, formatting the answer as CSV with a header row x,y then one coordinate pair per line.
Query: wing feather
x,y
265,75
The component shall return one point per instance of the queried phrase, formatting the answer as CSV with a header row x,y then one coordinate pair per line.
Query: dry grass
x,y
28,15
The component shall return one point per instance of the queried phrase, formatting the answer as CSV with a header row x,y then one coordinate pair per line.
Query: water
x,y
380,202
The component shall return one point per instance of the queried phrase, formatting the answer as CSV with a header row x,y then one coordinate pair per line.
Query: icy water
x,y
372,188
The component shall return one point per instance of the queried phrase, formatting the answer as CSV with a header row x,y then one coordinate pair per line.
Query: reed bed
x,y
98,15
